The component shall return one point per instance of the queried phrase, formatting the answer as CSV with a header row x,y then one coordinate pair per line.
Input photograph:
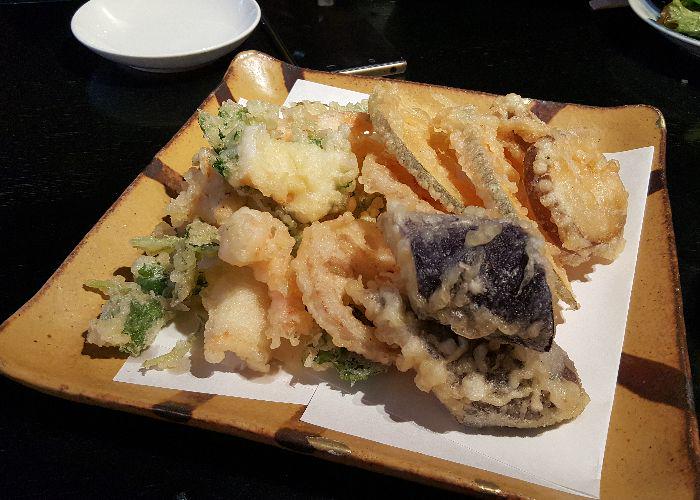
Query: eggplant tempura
x,y
410,233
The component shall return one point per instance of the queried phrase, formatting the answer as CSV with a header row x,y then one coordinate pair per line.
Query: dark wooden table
x,y
75,129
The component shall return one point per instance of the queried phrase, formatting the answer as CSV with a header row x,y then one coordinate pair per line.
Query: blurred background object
x,y
607,4
331,36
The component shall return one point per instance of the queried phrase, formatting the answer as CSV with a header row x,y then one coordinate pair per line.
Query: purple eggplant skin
x,y
437,243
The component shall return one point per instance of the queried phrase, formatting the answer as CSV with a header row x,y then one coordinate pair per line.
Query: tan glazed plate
x,y
652,446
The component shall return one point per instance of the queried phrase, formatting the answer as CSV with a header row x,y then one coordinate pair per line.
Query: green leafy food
x,y
179,258
152,278
682,16
170,359
109,287
316,140
197,234
184,274
143,317
130,319
211,126
223,130
351,367
153,245
231,112
163,280
227,159
220,166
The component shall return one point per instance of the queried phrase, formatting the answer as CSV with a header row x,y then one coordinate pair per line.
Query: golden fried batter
x,y
401,120
376,178
237,305
333,256
483,383
257,240
207,196
581,193
475,139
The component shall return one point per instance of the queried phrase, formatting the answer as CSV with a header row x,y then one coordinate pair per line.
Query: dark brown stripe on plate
x,y
657,181
159,171
545,110
223,93
291,74
180,408
653,381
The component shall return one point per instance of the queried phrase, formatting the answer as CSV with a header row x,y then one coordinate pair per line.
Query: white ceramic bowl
x,y
650,13
164,35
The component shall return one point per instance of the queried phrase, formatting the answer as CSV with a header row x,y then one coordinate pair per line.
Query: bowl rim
x,y
101,50
638,6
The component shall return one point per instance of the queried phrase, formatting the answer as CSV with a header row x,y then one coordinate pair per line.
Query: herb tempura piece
x,y
202,236
351,367
223,130
152,274
172,358
173,272
155,244
130,319
164,279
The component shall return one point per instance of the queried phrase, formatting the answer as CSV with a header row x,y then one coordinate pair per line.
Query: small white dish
x,y
164,35
649,13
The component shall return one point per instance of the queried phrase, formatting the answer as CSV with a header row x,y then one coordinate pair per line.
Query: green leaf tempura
x,y
130,319
164,278
351,367
153,245
142,324
220,166
152,278
172,358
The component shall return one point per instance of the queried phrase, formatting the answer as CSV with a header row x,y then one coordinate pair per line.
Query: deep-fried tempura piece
x,y
580,192
575,194
130,319
474,137
403,123
482,276
307,180
333,256
377,178
237,304
483,383
258,240
318,124
303,161
207,195
515,115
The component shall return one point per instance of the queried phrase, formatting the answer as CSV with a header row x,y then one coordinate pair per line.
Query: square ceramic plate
x,y
652,447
